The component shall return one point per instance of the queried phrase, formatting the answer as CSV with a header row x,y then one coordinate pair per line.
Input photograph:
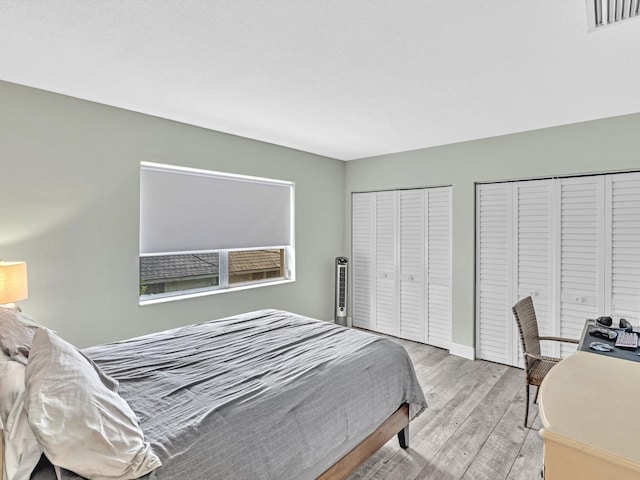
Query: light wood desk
x,y
589,408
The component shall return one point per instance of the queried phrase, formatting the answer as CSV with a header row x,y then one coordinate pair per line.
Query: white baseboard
x,y
462,351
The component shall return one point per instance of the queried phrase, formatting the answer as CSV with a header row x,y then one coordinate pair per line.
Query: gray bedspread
x,y
263,395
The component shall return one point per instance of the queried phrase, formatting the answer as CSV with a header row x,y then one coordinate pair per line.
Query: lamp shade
x,y
13,282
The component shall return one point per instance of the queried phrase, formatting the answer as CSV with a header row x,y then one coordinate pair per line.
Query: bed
x,y
263,395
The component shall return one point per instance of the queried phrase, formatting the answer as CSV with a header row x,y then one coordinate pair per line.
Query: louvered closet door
x,y
581,255
495,340
534,263
625,245
439,266
412,213
363,270
386,281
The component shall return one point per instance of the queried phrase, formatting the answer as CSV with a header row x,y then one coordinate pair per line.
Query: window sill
x,y
163,298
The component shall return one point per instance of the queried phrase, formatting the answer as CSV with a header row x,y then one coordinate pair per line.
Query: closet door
x,y
439,266
412,213
515,259
363,268
624,231
534,257
401,250
573,244
495,338
581,259
386,260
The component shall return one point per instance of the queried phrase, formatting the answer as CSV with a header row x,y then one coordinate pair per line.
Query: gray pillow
x,y
82,424
16,334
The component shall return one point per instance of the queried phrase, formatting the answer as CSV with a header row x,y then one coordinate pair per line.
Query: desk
x,y
589,411
586,339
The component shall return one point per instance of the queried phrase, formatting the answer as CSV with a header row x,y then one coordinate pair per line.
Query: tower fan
x,y
341,291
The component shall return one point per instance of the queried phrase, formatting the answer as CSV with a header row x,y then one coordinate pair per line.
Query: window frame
x,y
224,286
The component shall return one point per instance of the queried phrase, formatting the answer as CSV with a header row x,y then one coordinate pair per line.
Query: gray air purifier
x,y
342,276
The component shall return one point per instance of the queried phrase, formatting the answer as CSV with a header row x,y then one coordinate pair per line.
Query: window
x,y
204,232
252,265
177,273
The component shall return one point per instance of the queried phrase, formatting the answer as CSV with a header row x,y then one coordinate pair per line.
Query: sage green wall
x,y
591,147
69,199
69,206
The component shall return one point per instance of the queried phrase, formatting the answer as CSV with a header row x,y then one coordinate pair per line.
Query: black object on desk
x,y
606,321
586,339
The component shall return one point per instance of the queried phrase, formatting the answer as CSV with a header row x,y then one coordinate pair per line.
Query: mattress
x,y
263,395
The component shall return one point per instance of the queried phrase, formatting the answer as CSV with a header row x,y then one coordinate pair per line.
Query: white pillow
x,y
12,385
81,423
21,449
16,334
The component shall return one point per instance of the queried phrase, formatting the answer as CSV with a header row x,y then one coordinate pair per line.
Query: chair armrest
x,y
559,339
542,358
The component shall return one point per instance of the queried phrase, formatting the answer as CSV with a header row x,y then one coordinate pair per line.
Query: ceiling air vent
x,y
604,13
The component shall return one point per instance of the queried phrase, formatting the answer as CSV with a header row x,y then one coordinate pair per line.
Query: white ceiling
x,y
342,78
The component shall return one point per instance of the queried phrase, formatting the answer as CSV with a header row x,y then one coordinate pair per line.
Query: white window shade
x,y
188,210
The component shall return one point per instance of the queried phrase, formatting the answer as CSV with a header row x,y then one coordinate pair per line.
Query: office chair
x,y
536,365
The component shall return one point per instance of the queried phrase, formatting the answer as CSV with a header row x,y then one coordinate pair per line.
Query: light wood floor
x,y
472,429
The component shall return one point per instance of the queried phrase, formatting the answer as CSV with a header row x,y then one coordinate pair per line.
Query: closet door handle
x,y
578,299
411,278
533,293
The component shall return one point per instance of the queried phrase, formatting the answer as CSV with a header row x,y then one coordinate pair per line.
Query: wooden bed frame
x,y
396,424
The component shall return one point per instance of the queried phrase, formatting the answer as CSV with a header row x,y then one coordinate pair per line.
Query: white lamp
x,y
13,282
